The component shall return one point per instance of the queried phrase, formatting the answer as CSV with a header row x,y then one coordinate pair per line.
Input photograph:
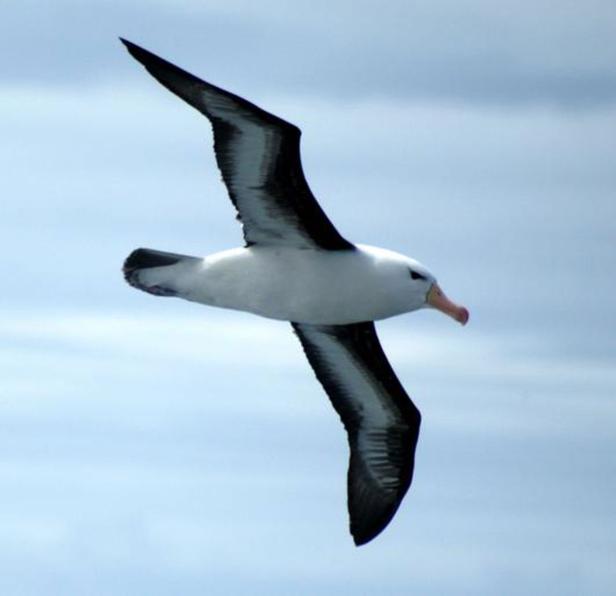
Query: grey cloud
x,y
474,52
143,471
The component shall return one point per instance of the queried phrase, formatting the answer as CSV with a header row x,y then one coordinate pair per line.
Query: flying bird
x,y
295,266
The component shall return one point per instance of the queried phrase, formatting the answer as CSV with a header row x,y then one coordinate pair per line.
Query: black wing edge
x,y
361,340
185,85
165,72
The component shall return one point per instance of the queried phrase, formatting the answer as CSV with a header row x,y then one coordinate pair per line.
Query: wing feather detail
x,y
381,420
258,155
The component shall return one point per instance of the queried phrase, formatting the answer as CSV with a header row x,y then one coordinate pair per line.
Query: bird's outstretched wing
x,y
259,157
381,421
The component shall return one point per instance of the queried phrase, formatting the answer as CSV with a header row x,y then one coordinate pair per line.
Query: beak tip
x,y
437,299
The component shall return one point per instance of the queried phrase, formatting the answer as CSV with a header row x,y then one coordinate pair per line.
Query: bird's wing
x,y
259,158
381,421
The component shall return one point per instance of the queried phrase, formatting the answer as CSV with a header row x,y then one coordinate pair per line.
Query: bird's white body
x,y
302,285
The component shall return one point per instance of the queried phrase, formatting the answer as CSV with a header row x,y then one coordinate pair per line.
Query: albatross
x,y
295,266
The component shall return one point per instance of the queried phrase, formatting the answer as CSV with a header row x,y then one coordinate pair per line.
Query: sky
x,y
154,446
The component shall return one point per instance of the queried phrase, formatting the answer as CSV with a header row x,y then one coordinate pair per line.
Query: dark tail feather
x,y
146,258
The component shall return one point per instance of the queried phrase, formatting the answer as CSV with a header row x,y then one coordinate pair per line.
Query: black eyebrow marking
x,y
415,275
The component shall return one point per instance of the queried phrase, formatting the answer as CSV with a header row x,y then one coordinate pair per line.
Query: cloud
x,y
79,346
477,52
188,442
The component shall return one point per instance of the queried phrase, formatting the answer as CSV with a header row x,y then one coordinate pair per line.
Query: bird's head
x,y
425,284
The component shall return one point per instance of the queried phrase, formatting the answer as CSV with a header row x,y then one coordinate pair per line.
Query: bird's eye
x,y
415,275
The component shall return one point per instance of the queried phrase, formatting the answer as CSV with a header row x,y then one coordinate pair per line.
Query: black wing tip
x,y
367,526
129,45
136,51
168,74
364,535
361,540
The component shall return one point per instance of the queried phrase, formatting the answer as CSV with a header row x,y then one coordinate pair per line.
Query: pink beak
x,y
436,298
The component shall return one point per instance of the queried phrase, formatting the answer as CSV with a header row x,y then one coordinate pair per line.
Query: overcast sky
x,y
153,446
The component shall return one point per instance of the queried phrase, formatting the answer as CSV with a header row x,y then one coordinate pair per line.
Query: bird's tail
x,y
155,271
